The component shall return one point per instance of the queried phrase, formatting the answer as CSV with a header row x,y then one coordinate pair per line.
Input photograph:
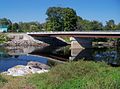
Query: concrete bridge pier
x,y
77,43
75,53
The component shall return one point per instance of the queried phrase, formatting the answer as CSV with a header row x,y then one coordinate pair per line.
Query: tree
x,y
29,26
85,25
33,28
61,19
5,21
110,25
15,27
69,19
118,26
79,26
95,25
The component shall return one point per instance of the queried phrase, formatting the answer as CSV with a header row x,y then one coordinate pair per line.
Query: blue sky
x,y
34,10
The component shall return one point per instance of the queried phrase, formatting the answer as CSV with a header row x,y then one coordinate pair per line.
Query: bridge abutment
x,y
77,42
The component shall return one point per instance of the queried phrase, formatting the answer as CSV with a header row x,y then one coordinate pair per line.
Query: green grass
x,y
67,39
73,75
2,81
78,75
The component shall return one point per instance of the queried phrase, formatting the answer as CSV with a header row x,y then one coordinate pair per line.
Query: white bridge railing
x,y
75,32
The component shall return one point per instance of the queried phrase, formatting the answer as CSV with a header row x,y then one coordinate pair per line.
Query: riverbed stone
x,y
38,65
23,40
21,70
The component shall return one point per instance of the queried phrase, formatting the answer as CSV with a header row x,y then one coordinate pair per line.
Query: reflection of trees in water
x,y
59,53
19,50
64,51
108,55
84,54
3,53
99,50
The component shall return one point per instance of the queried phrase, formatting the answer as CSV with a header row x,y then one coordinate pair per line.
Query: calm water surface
x,y
12,56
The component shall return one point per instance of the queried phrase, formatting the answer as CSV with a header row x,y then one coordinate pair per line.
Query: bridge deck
x,y
93,34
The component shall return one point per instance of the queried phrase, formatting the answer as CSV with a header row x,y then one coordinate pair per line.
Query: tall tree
x,y
61,19
15,27
110,25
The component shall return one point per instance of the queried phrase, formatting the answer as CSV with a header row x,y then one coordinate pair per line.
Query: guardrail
x,y
76,32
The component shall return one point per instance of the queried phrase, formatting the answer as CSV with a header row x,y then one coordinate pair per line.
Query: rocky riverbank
x,y
30,68
24,43
23,40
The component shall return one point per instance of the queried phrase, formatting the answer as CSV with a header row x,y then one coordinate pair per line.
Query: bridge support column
x,y
77,42
75,53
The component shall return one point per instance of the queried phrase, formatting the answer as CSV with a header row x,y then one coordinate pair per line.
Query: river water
x,y
12,56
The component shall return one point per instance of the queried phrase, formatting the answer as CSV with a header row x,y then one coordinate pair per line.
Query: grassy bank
x,y
74,75
2,81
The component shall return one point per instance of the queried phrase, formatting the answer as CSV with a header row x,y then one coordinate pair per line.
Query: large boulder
x,y
21,70
31,68
38,65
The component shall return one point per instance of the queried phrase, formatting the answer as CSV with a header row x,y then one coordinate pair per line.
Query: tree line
x,y
21,26
60,19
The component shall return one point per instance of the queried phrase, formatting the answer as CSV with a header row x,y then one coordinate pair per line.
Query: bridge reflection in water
x,y
63,54
109,55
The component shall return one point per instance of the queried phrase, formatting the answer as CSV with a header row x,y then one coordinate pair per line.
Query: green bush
x,y
3,38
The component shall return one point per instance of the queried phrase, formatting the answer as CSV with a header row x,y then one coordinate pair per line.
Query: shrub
x,y
3,38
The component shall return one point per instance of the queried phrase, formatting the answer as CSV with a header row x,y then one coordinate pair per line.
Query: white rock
x,y
21,70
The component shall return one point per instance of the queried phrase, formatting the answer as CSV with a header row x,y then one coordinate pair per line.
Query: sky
x,y
34,10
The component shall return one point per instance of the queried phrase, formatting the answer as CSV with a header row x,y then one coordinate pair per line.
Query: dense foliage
x,y
60,19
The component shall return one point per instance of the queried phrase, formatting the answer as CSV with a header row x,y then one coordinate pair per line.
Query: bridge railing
x,y
75,32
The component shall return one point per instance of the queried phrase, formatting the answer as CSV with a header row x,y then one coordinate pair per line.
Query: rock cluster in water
x,y
30,68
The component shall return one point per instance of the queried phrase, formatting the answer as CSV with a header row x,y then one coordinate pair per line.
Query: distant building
x,y
3,28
